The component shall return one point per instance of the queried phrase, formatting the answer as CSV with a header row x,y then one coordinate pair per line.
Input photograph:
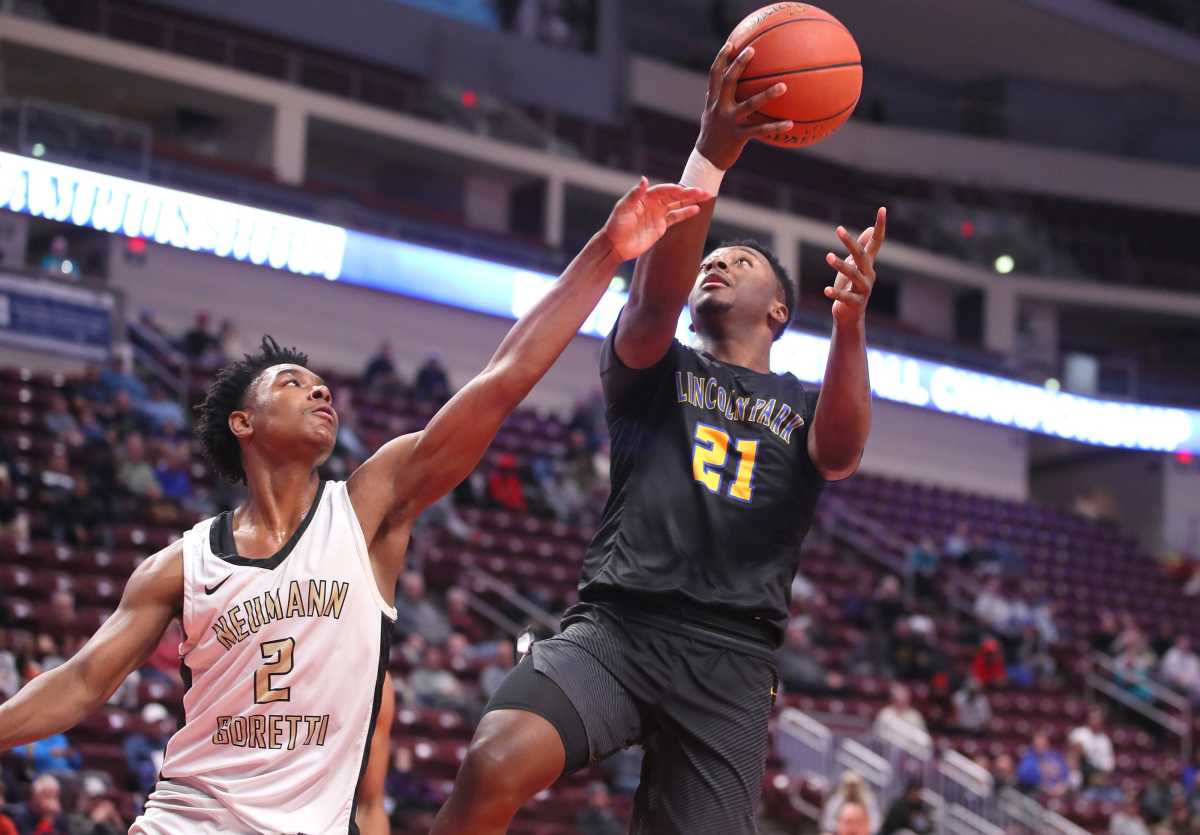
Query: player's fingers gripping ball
x,y
815,55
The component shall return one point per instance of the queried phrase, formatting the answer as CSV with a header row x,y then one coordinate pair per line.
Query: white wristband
x,y
700,173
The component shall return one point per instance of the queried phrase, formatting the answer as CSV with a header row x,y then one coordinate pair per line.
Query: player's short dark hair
x,y
225,396
781,275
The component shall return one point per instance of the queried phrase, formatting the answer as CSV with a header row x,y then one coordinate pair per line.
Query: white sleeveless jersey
x,y
283,659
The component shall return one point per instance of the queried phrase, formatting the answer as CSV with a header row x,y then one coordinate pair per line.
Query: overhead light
x,y
1005,264
1052,384
39,150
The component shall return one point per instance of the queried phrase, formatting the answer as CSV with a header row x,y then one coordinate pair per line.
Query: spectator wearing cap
x,y
987,667
144,749
97,814
504,484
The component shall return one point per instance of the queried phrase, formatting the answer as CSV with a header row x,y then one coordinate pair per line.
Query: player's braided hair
x,y
781,275
225,396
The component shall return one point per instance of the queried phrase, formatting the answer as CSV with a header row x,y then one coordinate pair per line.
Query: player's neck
x,y
747,353
279,498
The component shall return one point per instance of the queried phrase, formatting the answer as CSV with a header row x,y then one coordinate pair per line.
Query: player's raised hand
x,y
642,216
855,274
727,124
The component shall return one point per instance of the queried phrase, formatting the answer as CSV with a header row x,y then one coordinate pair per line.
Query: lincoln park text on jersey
x,y
707,393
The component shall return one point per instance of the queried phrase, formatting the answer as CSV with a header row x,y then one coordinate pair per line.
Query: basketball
x,y
815,55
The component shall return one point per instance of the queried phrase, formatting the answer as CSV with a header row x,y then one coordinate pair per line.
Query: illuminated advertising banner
x,y
166,216
55,317
228,230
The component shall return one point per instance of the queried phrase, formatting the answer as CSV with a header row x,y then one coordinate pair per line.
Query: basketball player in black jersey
x,y
717,465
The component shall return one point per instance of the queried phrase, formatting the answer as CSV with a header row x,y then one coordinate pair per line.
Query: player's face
x,y
735,282
292,408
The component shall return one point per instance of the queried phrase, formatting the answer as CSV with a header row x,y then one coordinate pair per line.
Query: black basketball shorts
x,y
698,699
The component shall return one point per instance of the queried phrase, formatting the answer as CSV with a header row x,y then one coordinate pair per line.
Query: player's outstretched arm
x,y
664,276
56,701
411,472
843,416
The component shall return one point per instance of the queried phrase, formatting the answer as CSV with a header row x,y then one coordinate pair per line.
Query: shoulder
x,y
160,576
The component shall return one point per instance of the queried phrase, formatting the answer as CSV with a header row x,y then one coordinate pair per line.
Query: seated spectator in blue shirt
x,y
173,472
115,378
54,753
1043,769
161,411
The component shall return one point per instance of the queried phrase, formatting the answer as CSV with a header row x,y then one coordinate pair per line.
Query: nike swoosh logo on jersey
x,y
213,589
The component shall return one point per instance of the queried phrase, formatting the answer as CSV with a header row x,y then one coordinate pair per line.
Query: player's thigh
x,y
704,769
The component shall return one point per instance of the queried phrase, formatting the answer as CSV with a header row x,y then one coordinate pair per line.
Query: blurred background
x,y
993,622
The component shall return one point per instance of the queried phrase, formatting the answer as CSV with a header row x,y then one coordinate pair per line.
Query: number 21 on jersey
x,y
709,457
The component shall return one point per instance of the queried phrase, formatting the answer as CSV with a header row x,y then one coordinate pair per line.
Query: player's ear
x,y
240,424
778,314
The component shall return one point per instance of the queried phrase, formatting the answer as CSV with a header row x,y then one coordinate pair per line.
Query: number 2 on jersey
x,y
277,656
709,456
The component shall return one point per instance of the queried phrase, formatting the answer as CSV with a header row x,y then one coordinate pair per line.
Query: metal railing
x,y
1146,697
961,796
478,580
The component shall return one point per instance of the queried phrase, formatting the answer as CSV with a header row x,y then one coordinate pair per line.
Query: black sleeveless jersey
x,y
712,485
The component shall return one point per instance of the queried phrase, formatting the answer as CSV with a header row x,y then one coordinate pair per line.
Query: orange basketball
x,y
815,55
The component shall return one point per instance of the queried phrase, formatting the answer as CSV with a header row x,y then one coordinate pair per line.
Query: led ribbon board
x,y
229,230
167,216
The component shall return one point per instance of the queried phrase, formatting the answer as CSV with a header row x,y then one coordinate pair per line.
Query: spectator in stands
x,y
58,262
1033,661
852,790
501,665
198,340
162,415
42,814
1158,796
462,620
1043,769
229,344
49,654
958,542
10,679
61,423
798,668
97,814
1102,789
980,554
144,748
504,485
55,483
1135,665
885,607
597,817
52,754
1004,773
972,710
123,417
431,685
852,819
7,827
409,788
899,716
83,519
432,383
624,769
922,565
1180,667
1095,744
90,427
379,365
993,607
1127,821
174,472
416,613
988,665
1104,636
909,814
134,473
443,514
62,606
115,379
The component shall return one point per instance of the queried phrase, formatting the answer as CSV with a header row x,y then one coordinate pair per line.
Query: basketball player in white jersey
x,y
285,601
